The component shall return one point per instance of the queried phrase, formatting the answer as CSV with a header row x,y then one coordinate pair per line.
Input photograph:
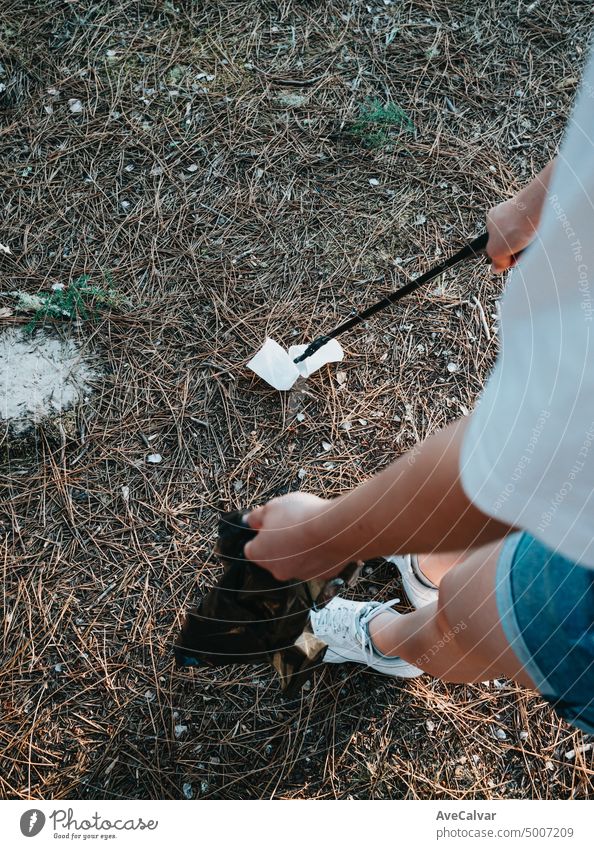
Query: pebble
x,y
430,726
326,446
374,182
301,474
581,750
180,729
75,106
154,458
452,367
187,791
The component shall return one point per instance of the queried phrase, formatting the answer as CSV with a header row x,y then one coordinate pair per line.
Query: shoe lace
x,y
340,621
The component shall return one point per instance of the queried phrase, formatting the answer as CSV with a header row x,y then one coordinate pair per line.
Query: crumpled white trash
x,y
331,352
275,366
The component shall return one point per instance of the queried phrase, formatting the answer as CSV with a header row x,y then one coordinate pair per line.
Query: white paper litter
x,y
331,352
277,367
274,365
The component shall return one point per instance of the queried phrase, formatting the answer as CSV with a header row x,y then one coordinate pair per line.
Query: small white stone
x,y
126,493
374,182
362,422
326,446
75,106
125,204
154,458
191,168
523,735
301,474
300,417
500,733
180,729
452,367
430,726
58,667
187,791
341,377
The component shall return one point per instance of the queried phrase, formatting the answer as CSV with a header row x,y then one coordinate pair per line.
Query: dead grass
x,y
271,233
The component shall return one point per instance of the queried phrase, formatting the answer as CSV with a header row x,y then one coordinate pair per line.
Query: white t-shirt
x,y
528,453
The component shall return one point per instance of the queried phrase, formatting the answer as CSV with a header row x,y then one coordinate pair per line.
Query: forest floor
x,y
234,170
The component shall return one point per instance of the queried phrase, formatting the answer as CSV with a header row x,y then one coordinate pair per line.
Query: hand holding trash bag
x,y
250,617
291,540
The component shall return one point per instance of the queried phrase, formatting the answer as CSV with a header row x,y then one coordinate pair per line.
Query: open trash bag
x,y
249,617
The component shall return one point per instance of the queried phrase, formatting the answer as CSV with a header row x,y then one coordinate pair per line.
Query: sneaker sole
x,y
396,669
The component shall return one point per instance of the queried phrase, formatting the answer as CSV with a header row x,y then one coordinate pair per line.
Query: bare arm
x,y
416,504
513,223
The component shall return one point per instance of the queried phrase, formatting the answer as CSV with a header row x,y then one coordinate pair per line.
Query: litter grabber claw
x,y
281,369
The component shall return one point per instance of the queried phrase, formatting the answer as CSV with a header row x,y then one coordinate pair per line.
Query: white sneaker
x,y
419,589
343,625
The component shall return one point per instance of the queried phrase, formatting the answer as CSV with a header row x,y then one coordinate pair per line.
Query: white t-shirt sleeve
x,y
528,453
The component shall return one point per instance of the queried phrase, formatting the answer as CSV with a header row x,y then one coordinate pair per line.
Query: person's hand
x,y
511,228
291,542
512,224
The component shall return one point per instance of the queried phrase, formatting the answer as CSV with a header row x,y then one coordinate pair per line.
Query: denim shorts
x,y
546,605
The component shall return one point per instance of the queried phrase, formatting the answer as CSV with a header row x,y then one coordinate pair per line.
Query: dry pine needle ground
x,y
199,154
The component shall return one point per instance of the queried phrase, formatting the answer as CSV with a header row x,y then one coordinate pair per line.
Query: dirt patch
x,y
41,377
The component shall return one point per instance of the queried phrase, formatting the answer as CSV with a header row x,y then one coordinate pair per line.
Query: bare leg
x,y
434,566
458,638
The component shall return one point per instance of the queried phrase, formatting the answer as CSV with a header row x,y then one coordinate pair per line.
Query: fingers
x,y
247,550
255,518
500,264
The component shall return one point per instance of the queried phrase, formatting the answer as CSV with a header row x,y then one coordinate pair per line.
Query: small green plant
x,y
77,300
376,122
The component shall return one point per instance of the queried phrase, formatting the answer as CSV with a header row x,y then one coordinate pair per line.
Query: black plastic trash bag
x,y
249,617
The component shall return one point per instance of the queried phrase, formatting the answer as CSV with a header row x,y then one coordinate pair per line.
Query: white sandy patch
x,y
41,376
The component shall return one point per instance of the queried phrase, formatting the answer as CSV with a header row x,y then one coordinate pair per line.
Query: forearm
x,y
513,223
530,199
416,504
